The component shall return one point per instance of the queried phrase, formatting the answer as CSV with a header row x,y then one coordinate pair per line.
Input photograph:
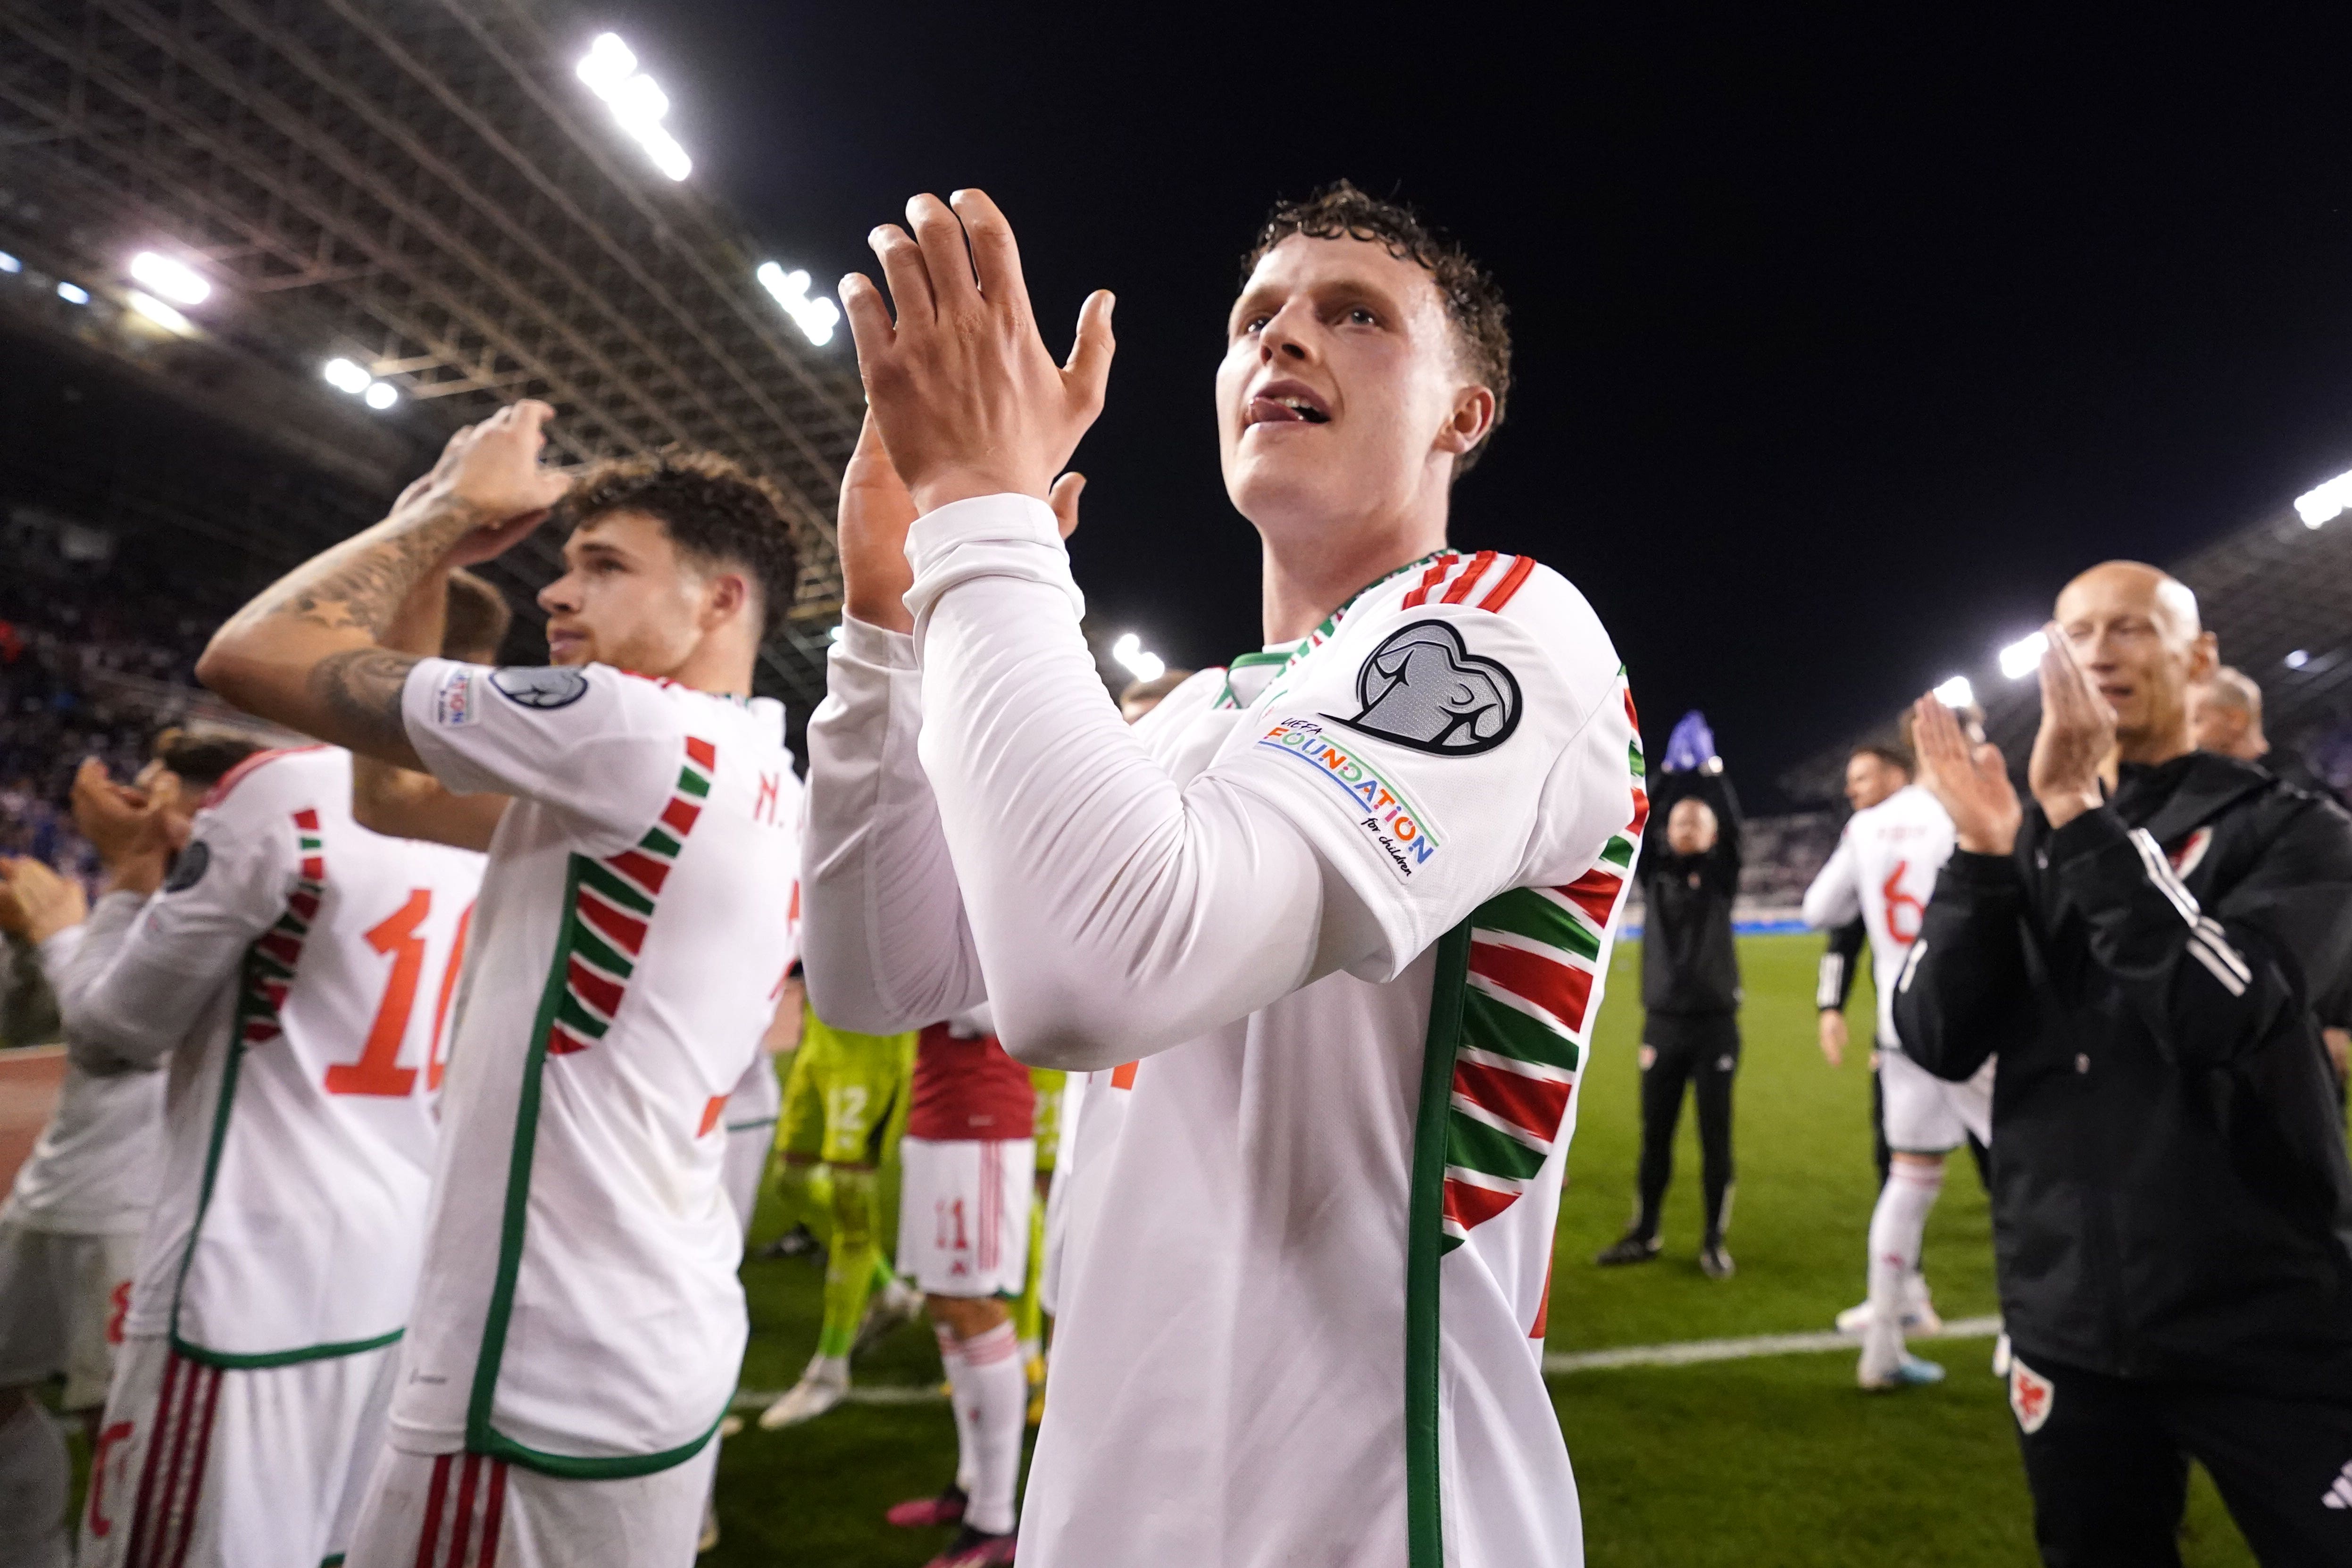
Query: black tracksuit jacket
x,y
1689,963
2171,1195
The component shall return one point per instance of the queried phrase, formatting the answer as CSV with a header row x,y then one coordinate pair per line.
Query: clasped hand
x,y
1971,783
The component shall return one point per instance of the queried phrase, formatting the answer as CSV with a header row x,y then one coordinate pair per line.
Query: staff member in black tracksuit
x,y
1689,867
2172,1208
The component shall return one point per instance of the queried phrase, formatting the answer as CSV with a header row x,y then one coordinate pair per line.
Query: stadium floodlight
x,y
1130,653
815,318
1957,692
175,280
2330,500
72,293
379,396
9,263
2023,657
157,311
344,376
2298,659
610,70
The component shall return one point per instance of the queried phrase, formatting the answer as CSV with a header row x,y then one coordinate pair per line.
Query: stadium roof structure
x,y
2277,593
428,190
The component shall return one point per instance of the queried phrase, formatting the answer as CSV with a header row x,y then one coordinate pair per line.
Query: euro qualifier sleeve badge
x,y
1422,687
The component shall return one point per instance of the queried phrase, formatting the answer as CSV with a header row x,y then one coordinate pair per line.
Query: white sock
x,y
831,1369
961,1393
1897,1227
989,1421
35,1477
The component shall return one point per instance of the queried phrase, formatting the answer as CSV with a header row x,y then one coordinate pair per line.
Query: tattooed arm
x,y
402,803
311,651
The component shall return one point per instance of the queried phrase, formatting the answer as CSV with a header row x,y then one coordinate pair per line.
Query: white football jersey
x,y
1311,1246
580,1312
93,1170
1884,869
295,969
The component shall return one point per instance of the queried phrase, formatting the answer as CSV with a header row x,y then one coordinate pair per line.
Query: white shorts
x,y
62,1299
466,1510
206,1468
1926,1115
963,1215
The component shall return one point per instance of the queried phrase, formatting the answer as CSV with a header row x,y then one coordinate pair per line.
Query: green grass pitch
x,y
1776,1461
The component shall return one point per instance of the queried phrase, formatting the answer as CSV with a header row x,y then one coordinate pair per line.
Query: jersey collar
x,y
1286,656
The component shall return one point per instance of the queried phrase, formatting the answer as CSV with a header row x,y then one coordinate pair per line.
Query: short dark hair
x,y
1887,752
476,620
1473,304
203,754
712,508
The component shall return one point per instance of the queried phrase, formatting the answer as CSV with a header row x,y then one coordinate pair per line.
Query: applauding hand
x,y
1971,784
2078,730
968,401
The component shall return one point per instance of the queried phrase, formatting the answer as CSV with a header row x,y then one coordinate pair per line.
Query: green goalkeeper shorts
x,y
845,1099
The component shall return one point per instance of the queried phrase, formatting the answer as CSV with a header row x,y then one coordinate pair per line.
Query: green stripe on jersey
x,y
1525,912
1499,1027
661,843
1619,851
615,888
693,782
1474,1145
598,951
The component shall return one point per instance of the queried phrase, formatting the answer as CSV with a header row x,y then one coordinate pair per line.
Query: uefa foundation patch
x,y
2031,1395
455,703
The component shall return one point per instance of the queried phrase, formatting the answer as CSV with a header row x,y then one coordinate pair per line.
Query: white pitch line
x,y
1682,1352
1690,1352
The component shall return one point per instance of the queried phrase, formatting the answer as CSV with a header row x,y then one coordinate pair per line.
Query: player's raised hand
x,y
1970,784
1064,499
35,903
492,470
871,531
968,399
2078,730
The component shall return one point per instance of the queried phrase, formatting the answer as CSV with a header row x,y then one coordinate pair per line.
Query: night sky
x,y
1840,337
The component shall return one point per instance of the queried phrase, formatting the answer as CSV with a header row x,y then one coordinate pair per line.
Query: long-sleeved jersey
x,y
93,1170
579,1313
1883,871
292,973
1350,902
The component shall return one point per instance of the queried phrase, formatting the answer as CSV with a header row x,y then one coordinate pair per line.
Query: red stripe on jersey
x,y
428,1540
494,1506
1521,570
303,902
643,869
702,751
710,1109
615,925
314,868
1543,1308
159,1423
1640,814
592,988
1595,893
1471,1207
1630,717
563,1042
1559,989
678,815
167,1506
306,820
1431,579
279,945
212,1381
260,1032
1123,1075
274,993
1469,578
1536,1105
461,1531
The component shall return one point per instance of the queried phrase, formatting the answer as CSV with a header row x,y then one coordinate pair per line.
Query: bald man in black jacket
x,y
2172,1206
